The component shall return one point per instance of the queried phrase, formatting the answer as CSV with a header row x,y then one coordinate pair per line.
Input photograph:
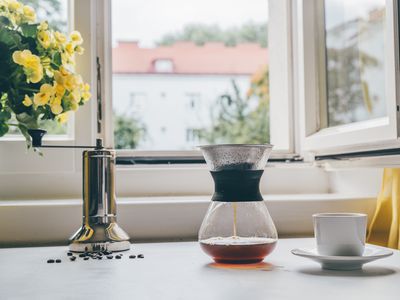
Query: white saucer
x,y
371,253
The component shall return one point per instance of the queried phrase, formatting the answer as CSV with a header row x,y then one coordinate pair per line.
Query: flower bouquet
x,y
37,81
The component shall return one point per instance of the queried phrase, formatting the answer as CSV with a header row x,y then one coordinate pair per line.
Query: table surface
x,y
182,271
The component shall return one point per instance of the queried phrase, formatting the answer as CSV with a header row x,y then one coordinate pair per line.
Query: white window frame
x,y
281,94
373,134
56,172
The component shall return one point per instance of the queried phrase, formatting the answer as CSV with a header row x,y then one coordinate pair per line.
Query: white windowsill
x,y
27,222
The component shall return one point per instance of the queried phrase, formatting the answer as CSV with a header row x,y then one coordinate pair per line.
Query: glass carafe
x,y
237,227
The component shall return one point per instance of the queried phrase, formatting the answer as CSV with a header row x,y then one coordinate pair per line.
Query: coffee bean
x,y
72,258
58,260
82,255
50,261
86,258
109,256
132,256
69,253
118,257
140,256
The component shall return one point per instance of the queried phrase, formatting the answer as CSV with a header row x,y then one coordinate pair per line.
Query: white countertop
x,y
182,271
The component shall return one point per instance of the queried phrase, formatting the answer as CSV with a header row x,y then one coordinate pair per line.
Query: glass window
x,y
355,52
181,50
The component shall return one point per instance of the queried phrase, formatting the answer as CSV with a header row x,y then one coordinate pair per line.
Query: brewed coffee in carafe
x,y
237,227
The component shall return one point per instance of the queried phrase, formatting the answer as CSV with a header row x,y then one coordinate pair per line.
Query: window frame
x,y
280,48
380,133
58,171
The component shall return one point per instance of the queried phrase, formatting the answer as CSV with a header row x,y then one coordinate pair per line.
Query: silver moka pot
x,y
100,230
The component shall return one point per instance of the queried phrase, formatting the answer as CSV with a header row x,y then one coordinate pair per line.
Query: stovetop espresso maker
x,y
100,230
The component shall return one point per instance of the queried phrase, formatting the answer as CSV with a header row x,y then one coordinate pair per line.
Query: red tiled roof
x,y
188,58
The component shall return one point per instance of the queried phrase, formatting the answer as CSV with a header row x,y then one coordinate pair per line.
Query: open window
x,y
348,75
220,77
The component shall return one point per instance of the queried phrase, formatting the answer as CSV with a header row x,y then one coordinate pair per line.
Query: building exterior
x,y
173,89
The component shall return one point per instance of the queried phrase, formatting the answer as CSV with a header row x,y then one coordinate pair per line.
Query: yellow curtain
x,y
384,229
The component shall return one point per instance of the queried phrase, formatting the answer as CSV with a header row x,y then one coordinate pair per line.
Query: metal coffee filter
x,y
236,156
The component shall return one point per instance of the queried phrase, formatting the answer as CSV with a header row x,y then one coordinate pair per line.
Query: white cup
x,y
340,234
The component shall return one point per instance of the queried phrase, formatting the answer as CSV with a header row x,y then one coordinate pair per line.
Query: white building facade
x,y
173,103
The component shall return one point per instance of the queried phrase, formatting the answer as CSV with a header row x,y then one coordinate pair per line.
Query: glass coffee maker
x,y
237,227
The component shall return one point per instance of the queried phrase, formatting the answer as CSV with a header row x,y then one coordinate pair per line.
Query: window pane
x,y
355,51
189,72
55,12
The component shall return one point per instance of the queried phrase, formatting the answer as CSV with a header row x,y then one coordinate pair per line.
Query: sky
x,y
148,20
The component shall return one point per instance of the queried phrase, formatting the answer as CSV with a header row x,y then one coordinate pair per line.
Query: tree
x,y
200,34
128,131
241,121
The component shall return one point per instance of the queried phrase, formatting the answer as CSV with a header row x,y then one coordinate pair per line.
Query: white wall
x,y
165,104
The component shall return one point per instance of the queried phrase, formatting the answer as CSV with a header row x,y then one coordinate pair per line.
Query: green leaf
x,y
56,60
29,30
7,37
3,129
5,21
4,116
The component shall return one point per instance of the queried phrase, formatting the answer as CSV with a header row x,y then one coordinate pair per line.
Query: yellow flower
x,y
35,76
80,50
74,106
29,13
60,38
43,26
86,92
27,101
31,63
61,75
70,48
72,82
56,109
86,96
14,5
76,95
59,89
76,37
19,57
44,96
44,38
64,71
62,118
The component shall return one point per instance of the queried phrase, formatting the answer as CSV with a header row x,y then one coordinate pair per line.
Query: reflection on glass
x,y
355,51
189,72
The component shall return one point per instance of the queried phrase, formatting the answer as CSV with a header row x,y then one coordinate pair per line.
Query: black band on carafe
x,y
237,185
